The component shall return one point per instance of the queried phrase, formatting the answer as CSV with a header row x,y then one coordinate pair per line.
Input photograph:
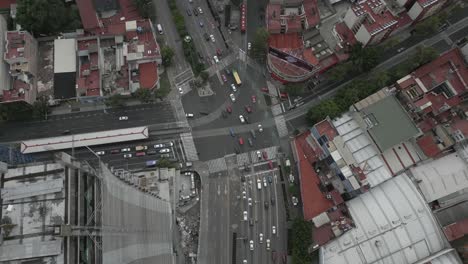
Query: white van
x,y
159,27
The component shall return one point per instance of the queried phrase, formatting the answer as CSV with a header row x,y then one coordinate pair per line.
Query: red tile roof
x,y
378,21
448,67
346,35
148,75
325,128
312,12
313,200
290,41
18,45
428,145
5,4
461,125
273,12
88,15
19,92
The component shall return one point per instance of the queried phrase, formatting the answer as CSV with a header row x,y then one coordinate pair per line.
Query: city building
x,y
20,53
393,225
69,211
65,67
118,54
372,21
434,96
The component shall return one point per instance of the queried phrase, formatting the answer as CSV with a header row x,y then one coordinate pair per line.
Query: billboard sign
x,y
291,59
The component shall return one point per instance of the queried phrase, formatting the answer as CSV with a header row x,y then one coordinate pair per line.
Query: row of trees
x,y
47,17
362,87
301,239
21,111
260,45
145,8
188,46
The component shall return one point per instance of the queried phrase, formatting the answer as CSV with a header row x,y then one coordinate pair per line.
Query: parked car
x,y
268,244
249,46
245,216
260,238
251,245
125,150
164,150
253,98
140,154
249,201
189,115
265,182
273,230
260,128
123,118
100,153
241,141
127,156
294,200
242,119
259,155
138,148
212,38
115,151
159,146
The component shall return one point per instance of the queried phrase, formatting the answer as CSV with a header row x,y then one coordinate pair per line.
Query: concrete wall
x,y
415,11
350,18
5,80
363,36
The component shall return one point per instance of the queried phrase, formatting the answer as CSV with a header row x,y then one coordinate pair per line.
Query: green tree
x,y
115,101
294,88
301,241
144,95
260,44
364,59
165,163
424,55
322,110
15,111
144,7
167,54
40,108
43,16
341,71
428,26
204,76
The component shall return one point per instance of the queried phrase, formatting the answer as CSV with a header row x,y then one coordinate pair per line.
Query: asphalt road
x,y
171,36
83,122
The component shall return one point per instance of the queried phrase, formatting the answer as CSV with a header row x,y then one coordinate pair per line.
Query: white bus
x,y
159,27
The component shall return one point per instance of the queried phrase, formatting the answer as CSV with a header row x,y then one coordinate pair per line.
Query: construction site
x,y
67,211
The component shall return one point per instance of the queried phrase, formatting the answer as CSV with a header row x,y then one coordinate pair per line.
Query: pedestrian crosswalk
x,y
189,146
217,165
281,126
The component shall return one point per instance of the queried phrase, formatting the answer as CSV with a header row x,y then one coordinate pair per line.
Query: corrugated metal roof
x,y
393,225
441,177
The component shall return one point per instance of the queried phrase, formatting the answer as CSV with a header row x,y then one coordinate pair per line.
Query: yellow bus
x,y
236,77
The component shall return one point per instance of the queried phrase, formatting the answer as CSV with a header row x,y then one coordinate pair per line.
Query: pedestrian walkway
x,y
281,126
189,146
217,165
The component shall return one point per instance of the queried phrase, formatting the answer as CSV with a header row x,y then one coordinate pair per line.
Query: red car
x,y
265,155
254,99
218,52
229,109
248,109
139,154
241,141
270,164
264,89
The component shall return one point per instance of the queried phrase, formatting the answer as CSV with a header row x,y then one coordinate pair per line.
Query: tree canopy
x,y
47,16
260,44
145,8
301,241
364,58
167,54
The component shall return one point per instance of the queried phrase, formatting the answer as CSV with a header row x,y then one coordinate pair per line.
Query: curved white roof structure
x,y
393,225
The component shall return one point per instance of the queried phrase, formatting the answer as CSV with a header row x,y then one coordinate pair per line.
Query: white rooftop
x,y
64,55
393,225
442,177
362,149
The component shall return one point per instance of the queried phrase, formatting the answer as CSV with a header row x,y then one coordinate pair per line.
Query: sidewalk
x,y
75,107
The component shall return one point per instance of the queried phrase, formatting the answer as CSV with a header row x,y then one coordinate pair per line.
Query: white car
x,y
260,238
212,38
249,201
233,98
259,184
260,128
188,115
245,215
251,245
233,87
180,90
273,230
200,10
242,119
265,182
294,200
244,195
249,46
244,261
100,153
123,118
159,146
125,150
127,156
259,155
164,150
268,244
216,60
